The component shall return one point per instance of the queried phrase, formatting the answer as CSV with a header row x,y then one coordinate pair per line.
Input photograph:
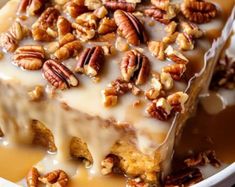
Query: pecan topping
x,y
130,27
36,94
135,66
185,41
166,80
161,4
58,75
74,9
157,49
171,27
203,158
117,88
156,90
90,61
175,56
85,26
55,178
121,5
45,27
157,14
184,177
177,101
29,57
32,177
108,164
33,7
101,12
68,47
176,70
198,11
224,75
159,109
107,25
9,40
64,26
192,30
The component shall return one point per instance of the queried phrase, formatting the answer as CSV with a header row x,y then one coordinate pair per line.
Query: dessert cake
x,y
108,83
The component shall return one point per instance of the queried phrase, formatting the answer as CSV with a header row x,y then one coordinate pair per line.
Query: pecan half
x,y
159,109
68,47
9,40
130,27
58,75
175,56
29,57
55,178
121,5
45,27
90,61
32,177
198,11
176,70
135,67
183,177
162,15
33,7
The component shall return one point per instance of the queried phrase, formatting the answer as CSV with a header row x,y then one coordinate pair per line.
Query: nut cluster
x,y
54,178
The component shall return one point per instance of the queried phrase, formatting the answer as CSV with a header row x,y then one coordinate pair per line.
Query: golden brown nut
x,y
120,5
130,27
107,25
176,70
32,177
157,49
198,11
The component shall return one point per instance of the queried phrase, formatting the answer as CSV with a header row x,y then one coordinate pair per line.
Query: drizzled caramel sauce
x,y
205,131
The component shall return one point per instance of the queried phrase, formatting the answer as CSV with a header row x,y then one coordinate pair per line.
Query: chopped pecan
x,y
64,26
175,56
157,49
135,66
161,4
176,70
9,40
101,12
203,158
59,75
33,7
55,178
116,88
68,47
192,30
224,74
42,29
29,57
130,27
32,177
74,9
85,26
36,94
137,182
121,44
120,5
159,109
155,91
183,177
171,27
108,164
108,50
90,61
198,11
93,4
185,41
166,80
161,15
171,38
177,101
107,25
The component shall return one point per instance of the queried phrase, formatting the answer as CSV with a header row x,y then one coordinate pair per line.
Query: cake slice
x,y
104,82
